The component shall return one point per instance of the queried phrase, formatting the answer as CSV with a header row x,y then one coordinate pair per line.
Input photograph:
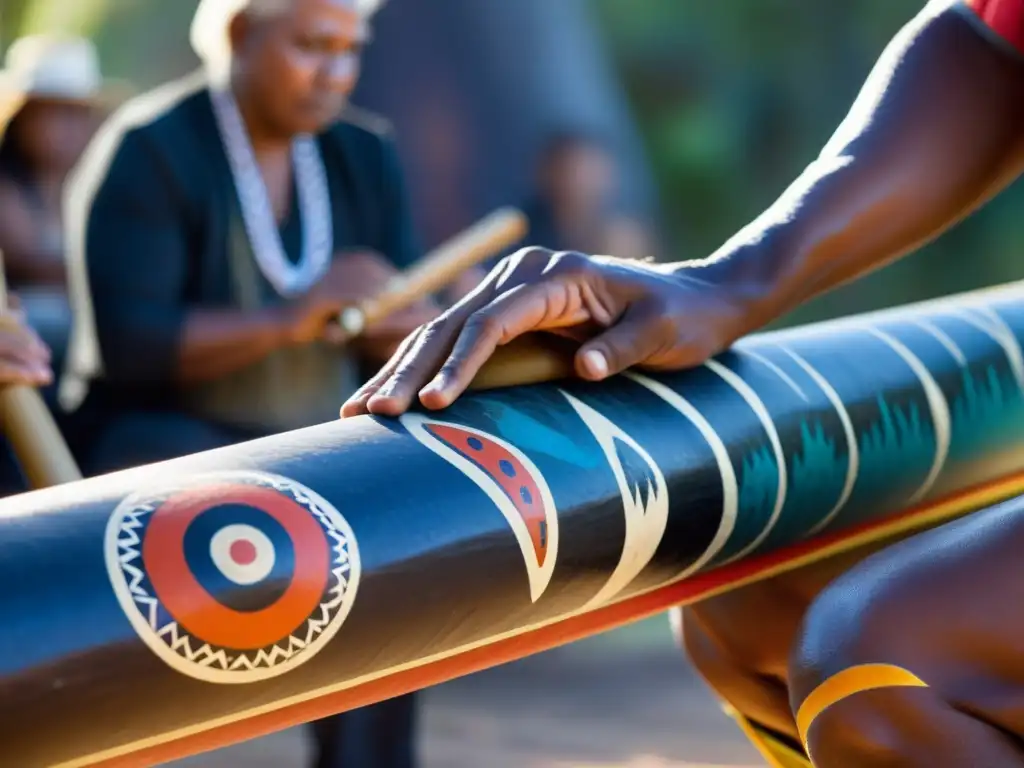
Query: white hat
x,y
51,67
58,68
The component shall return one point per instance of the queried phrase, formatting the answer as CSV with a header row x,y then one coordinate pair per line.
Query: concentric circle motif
x,y
232,577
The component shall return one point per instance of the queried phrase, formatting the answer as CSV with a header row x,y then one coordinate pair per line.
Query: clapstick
x,y
530,359
500,229
39,446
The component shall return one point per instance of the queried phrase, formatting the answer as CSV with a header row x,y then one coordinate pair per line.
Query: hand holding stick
x,y
501,229
29,427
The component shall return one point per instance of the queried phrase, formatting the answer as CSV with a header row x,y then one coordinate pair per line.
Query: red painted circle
x,y
199,612
242,551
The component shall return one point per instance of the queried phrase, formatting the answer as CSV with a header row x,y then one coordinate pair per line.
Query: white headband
x,y
209,31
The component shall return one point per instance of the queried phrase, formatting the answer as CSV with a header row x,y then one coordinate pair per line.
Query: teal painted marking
x,y
817,475
759,484
899,445
529,434
988,413
758,476
819,471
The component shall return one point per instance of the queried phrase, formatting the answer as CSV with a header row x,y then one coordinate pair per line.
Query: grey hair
x,y
209,31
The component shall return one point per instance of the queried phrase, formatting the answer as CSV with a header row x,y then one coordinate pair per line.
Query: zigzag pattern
x,y
193,649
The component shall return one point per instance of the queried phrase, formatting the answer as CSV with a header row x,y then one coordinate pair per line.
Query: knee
x,y
856,645
863,617
864,730
733,670
704,650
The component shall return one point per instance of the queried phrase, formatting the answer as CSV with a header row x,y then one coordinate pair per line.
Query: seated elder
x,y
217,226
50,89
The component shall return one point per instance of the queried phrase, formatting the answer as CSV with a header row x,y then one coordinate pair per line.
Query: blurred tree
x,y
735,98
80,17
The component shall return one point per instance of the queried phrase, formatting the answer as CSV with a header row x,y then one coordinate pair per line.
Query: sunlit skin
x,y
936,131
24,358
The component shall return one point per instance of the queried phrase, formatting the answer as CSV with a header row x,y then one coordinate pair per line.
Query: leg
x,y
396,734
343,741
741,641
914,657
377,736
743,667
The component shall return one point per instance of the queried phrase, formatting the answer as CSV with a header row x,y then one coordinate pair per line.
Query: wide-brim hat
x,y
55,68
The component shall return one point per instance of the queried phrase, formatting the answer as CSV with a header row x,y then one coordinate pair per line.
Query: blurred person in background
x,y
50,92
573,207
470,117
24,360
24,357
217,227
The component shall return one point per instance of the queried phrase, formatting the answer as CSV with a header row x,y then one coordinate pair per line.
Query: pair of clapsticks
x,y
528,360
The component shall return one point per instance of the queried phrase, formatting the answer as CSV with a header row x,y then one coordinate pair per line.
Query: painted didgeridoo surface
x,y
178,607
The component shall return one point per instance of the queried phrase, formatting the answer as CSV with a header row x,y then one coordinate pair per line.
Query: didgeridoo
x,y
500,229
240,591
42,453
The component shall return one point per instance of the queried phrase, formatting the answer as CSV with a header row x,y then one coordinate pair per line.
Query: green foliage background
x,y
733,98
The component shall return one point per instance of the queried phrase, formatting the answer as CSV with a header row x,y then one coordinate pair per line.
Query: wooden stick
x,y
500,229
37,442
530,359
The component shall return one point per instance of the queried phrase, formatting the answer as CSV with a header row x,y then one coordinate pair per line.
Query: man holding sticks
x,y
865,669
217,226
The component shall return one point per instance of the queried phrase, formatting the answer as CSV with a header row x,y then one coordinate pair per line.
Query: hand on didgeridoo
x,y
24,358
622,313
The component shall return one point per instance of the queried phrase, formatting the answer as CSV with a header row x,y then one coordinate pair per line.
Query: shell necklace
x,y
313,196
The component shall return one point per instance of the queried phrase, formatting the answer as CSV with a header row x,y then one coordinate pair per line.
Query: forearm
x,y
216,343
936,131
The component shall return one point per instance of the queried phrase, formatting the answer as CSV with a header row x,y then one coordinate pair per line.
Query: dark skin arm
x,y
937,130
216,343
398,249
24,358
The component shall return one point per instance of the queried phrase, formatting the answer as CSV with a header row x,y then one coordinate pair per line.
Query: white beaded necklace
x,y
314,202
